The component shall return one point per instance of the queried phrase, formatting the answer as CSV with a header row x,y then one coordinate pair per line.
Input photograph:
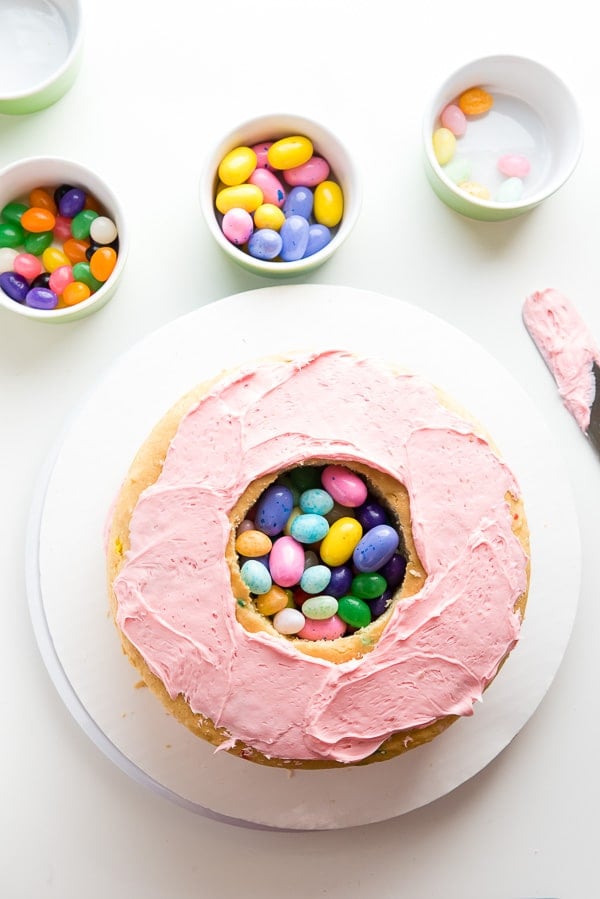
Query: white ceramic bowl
x,y
40,52
272,128
16,182
534,115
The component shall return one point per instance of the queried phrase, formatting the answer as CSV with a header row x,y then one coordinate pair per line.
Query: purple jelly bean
x,y
14,286
318,237
41,298
273,509
376,548
299,201
340,581
379,605
394,570
294,238
265,244
370,514
72,202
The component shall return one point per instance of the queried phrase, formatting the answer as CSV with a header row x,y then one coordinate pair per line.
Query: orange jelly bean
x,y
75,292
75,249
102,263
42,199
37,219
475,101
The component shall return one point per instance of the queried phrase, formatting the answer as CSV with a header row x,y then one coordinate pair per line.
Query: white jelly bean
x,y
289,621
510,191
7,259
103,230
319,608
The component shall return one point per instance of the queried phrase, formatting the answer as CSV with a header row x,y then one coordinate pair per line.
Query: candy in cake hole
x,y
321,555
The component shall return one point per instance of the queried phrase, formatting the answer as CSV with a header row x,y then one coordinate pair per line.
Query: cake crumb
x,y
140,685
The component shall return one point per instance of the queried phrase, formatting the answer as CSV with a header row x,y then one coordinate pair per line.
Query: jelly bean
x,y
272,509
344,485
256,577
243,196
338,512
294,238
318,237
75,249
289,621
381,604
262,153
292,517
375,548
458,169
272,189
246,525
309,528
394,570
7,259
300,597
273,601
269,216
99,246
340,581
323,628
265,244
475,101
310,559
14,286
53,258
299,201
289,152
13,212
42,280
75,292
11,235
63,228
354,611
60,191
72,202
340,542
315,579
103,230
102,263
79,227
368,585
328,203
510,191
513,165
317,608
316,500
444,145
480,191
305,477
309,174
42,199
37,243
454,119
370,514
237,166
81,272
36,220
28,265
237,226
41,298
60,277
286,561
253,543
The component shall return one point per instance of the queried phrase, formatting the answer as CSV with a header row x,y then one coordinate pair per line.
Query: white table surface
x,y
159,84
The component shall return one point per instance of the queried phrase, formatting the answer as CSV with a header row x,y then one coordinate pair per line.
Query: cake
x,y
191,625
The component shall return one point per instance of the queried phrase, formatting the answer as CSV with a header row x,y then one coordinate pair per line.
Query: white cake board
x,y
66,577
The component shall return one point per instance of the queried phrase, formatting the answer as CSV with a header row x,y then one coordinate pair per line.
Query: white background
x,y
159,85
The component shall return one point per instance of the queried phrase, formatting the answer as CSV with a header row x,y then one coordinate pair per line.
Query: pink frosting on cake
x,y
567,347
441,647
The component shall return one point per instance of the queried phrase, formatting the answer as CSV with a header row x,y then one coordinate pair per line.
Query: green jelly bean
x,y
11,235
368,585
81,224
354,611
306,476
12,212
318,608
37,243
81,272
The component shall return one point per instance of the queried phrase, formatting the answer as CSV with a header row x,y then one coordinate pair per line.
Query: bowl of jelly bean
x,y
501,134
40,52
280,195
63,243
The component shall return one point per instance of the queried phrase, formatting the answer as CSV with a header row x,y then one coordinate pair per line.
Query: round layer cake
x,y
193,627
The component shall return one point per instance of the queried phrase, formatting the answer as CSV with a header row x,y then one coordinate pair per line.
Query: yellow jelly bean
x,y
237,166
292,517
53,258
475,190
289,152
273,601
239,196
340,541
269,216
475,101
444,145
253,544
328,205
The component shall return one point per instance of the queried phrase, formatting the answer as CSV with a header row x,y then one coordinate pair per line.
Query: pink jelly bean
x,y
261,151
59,278
237,226
27,265
323,629
62,228
454,119
286,561
344,486
309,174
513,165
271,186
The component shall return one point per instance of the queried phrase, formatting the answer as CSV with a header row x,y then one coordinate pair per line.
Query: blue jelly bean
x,y
316,500
309,528
265,243
294,238
315,579
256,577
341,580
41,298
370,514
379,605
299,201
273,509
394,570
14,286
318,237
72,202
375,548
